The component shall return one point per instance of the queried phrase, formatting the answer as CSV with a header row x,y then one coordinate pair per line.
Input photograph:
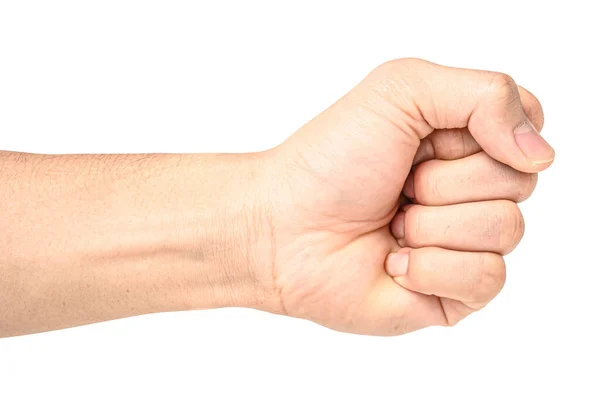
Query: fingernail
x,y
397,264
533,144
398,225
409,186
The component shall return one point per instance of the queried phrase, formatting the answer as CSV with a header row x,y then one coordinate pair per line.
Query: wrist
x,y
230,238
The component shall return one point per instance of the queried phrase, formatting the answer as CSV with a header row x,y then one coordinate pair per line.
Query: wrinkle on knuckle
x,y
503,88
394,75
516,186
463,151
390,87
458,148
527,186
491,276
455,144
513,227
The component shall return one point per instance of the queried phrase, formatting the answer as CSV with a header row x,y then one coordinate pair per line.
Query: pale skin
x,y
387,213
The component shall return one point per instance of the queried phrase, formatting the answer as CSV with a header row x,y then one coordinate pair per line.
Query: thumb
x,y
418,97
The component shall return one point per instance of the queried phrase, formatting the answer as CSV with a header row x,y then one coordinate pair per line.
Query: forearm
x,y
86,238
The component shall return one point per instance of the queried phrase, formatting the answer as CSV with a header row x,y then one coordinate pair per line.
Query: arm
x,y
314,228
86,238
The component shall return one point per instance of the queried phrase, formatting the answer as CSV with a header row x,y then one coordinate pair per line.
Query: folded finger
x,y
489,226
475,178
473,278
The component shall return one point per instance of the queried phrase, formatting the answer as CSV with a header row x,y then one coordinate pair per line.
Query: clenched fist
x,y
387,213
391,210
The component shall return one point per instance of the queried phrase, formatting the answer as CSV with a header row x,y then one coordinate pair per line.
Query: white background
x,y
190,76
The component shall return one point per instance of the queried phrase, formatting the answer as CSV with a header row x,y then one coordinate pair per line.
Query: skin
x,y
387,213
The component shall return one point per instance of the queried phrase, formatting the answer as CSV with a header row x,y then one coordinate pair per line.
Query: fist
x,y
462,218
391,210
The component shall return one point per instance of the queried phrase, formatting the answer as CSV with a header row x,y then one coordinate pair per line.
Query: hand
x,y
320,227
335,192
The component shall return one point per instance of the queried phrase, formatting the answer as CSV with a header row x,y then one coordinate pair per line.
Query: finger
x,y
473,278
474,178
459,143
490,226
437,97
532,107
446,144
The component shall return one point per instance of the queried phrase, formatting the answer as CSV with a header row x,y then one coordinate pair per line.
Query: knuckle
x,y
394,65
491,276
503,87
512,226
516,185
387,74
526,186
394,76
